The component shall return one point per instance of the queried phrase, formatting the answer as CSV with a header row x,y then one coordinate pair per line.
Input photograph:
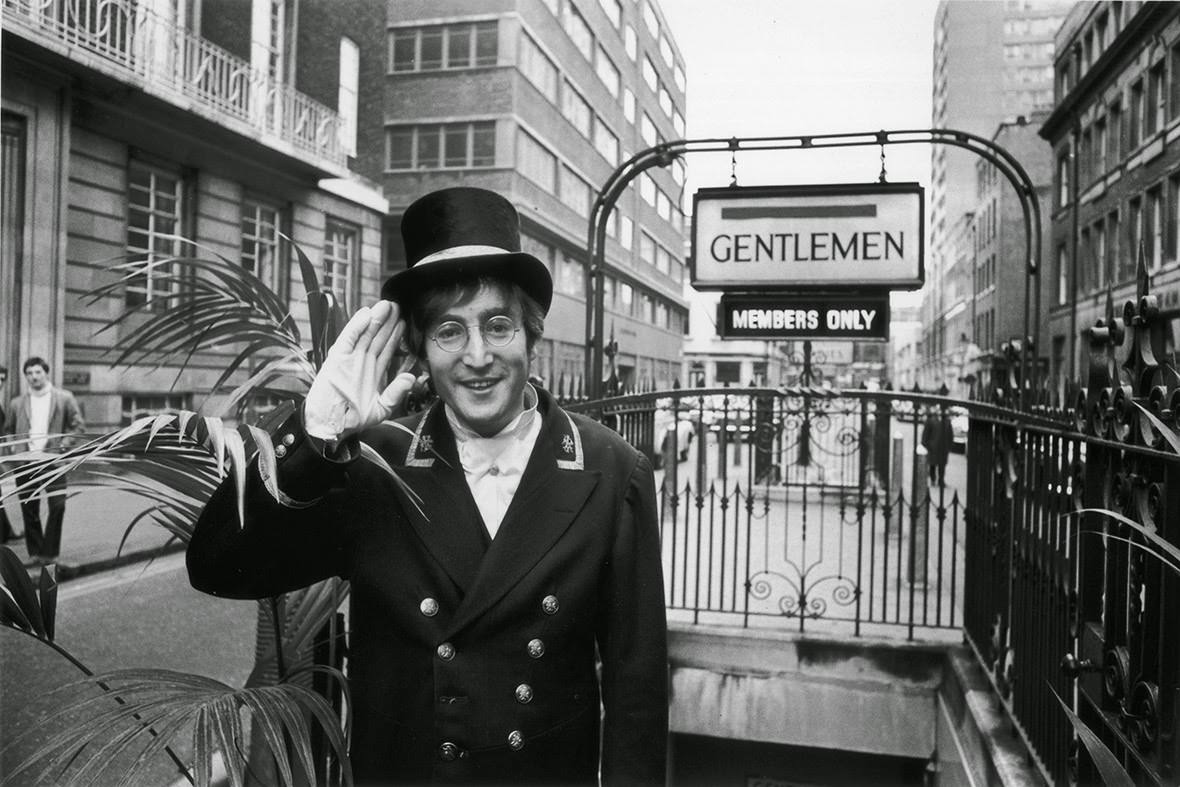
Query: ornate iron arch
x,y
665,153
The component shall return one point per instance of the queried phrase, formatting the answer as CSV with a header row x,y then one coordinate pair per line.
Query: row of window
x,y
1113,134
1089,46
582,36
1109,248
438,145
156,219
985,329
569,277
440,47
984,275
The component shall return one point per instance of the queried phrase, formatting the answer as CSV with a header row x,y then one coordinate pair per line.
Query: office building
x,y
993,62
541,100
1116,182
130,125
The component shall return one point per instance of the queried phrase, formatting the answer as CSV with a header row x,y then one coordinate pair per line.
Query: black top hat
x,y
460,232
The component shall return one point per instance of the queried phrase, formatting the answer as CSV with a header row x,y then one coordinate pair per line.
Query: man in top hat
x,y
507,608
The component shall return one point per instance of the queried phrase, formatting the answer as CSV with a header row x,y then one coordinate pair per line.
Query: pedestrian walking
x,y
508,621
937,435
49,417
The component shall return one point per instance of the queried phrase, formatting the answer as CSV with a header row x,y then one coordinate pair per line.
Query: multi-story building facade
x,y
541,100
998,273
993,62
129,125
1115,133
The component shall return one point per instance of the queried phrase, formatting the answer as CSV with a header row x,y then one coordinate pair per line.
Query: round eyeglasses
x,y
496,331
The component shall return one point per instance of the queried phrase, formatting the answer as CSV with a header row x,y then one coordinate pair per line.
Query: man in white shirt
x,y
515,551
48,417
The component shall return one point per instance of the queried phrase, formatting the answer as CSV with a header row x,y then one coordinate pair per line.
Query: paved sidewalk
x,y
95,524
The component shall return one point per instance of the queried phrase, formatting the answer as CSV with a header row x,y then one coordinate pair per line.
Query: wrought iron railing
x,y
777,508
1055,547
131,42
1073,582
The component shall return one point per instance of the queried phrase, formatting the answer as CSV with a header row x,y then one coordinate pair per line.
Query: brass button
x,y
549,604
536,648
428,607
524,694
515,740
288,440
280,451
449,752
446,651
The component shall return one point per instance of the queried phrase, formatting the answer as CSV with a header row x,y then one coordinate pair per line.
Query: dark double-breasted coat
x,y
472,660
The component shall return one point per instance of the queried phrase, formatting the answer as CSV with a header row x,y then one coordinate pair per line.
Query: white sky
x,y
792,67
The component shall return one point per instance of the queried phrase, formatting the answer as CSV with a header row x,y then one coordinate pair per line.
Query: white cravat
x,y
494,465
39,405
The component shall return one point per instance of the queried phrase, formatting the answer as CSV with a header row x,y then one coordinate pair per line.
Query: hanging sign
x,y
808,316
786,237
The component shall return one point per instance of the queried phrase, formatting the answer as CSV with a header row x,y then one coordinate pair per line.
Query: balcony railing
x,y
127,41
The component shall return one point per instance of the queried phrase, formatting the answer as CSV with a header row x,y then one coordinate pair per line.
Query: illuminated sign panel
x,y
808,316
777,237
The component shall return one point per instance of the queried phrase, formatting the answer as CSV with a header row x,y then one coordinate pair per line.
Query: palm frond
x,y
94,737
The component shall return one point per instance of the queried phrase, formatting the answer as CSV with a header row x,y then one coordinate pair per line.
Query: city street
x,y
139,616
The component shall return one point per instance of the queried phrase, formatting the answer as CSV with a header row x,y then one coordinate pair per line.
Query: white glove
x,y
344,398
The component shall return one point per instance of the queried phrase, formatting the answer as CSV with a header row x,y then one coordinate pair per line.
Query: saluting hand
x,y
345,398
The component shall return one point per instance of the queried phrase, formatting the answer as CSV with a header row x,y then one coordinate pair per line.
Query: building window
x,y
536,163
1100,258
665,100
1134,237
143,405
154,202
575,192
538,68
1153,228
577,29
606,142
647,189
1100,147
449,46
261,243
628,105
650,19
649,74
572,278
1135,132
666,51
1174,100
1153,119
613,10
1085,261
341,257
1173,217
608,74
1117,151
647,249
626,232
678,77
1063,178
647,130
1062,274
347,94
1113,260
437,145
631,43
576,109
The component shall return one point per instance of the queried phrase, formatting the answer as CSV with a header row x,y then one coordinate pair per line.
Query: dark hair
x,y
36,360
433,302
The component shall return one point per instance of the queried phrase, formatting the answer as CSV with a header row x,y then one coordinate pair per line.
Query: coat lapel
x,y
553,489
450,528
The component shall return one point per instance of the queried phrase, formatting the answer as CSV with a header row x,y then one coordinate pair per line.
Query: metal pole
x,y
919,518
893,526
